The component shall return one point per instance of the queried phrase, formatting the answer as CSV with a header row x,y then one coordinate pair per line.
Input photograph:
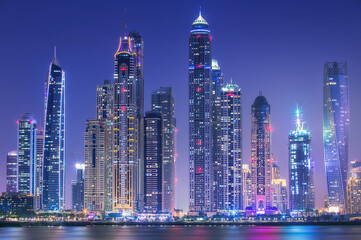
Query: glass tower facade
x,y
77,189
261,155
27,154
216,90
200,75
300,169
231,147
153,162
54,140
12,172
126,128
163,102
336,123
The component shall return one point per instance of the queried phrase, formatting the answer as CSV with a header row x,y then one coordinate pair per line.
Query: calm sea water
x,y
182,232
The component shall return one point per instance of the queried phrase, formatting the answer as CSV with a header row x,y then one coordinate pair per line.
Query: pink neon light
x,y
199,169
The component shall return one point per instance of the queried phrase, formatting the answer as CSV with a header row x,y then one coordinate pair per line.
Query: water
x,y
182,232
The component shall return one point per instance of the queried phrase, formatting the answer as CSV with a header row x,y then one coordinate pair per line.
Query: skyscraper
x,y
216,89
94,166
153,162
200,74
39,165
12,172
231,147
163,102
54,139
261,155
247,186
279,194
336,122
354,191
77,189
27,154
105,95
300,169
126,128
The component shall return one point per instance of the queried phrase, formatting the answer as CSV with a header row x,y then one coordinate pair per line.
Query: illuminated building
x,y
216,89
77,189
163,102
94,176
53,196
127,170
153,162
278,189
231,155
17,205
247,186
200,75
39,165
301,182
105,95
261,155
12,172
336,123
27,154
354,191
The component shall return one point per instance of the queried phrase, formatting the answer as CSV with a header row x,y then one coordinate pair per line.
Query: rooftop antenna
x,y
54,51
260,92
200,11
123,22
231,80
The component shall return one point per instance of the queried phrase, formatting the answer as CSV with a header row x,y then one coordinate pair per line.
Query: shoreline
x,y
140,224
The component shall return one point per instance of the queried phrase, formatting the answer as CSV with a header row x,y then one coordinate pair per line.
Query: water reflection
x,y
181,233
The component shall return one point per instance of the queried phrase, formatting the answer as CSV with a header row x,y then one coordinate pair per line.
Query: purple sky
x,y
278,47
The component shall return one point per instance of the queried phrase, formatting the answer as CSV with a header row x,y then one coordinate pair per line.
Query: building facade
x,y
216,102
279,195
53,192
354,191
300,169
163,102
39,165
231,148
261,155
336,123
12,172
247,186
17,205
105,94
153,162
77,189
27,154
126,128
200,75
94,177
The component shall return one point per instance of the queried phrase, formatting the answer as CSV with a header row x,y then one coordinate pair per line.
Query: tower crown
x,y
200,22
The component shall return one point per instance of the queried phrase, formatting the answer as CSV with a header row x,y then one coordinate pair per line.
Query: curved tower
x,y
54,139
200,74
261,155
336,123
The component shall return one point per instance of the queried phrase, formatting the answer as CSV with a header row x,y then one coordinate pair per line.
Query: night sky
x,y
278,47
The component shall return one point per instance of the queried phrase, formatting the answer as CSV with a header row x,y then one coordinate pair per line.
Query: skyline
x,y
279,136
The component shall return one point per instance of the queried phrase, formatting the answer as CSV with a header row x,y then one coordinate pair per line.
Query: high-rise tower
x,y
126,128
231,156
261,155
12,172
77,189
54,139
200,75
216,89
163,102
300,169
27,154
336,122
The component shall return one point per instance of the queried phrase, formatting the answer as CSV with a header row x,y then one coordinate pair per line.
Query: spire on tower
x,y
55,60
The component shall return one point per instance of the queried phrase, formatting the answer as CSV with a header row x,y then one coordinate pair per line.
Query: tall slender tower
x,y
336,123
105,95
27,154
153,162
231,126
39,165
94,176
126,128
77,189
300,169
200,74
54,139
216,89
163,102
12,172
261,155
